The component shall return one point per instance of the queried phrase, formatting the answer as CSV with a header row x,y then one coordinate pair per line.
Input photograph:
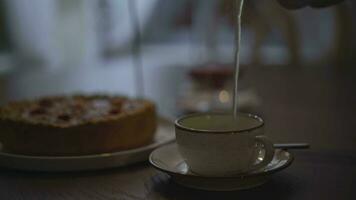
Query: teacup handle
x,y
269,152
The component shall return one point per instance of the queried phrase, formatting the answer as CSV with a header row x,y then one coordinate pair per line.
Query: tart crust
x,y
121,130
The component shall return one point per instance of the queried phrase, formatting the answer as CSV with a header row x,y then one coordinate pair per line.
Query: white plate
x,y
167,159
164,135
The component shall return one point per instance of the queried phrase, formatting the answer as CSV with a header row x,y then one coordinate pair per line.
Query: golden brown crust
x,y
122,130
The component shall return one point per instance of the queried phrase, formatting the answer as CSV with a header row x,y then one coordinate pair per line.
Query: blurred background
x,y
294,64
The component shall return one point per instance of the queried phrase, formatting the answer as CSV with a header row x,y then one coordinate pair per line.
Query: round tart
x,y
76,125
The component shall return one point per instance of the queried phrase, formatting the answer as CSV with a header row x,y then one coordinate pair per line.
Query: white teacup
x,y
220,145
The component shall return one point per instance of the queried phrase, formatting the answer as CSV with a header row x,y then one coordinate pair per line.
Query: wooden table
x,y
315,106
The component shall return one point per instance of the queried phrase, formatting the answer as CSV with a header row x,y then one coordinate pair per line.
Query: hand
x,y
296,4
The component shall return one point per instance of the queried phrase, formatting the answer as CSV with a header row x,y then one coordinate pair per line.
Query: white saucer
x,y
164,135
168,160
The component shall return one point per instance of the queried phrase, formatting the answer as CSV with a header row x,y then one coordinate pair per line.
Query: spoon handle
x,y
292,146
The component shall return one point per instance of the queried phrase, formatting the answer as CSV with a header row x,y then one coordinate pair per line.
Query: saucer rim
x,y
242,175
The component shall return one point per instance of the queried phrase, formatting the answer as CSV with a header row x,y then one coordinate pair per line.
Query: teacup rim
x,y
182,127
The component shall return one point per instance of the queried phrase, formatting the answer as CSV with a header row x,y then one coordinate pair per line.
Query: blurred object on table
x,y
209,89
